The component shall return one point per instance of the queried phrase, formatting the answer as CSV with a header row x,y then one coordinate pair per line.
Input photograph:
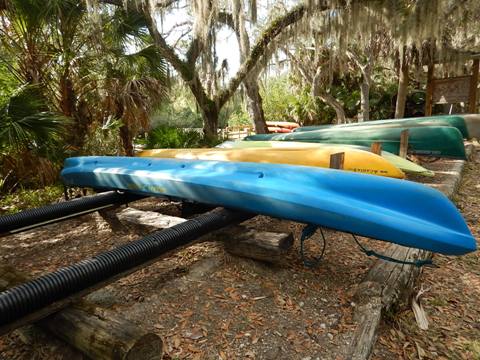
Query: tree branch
x,y
272,31
180,38
175,27
159,4
166,50
306,74
227,19
185,68
194,51
197,45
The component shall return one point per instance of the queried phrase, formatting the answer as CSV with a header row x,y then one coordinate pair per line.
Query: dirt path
x,y
452,301
203,302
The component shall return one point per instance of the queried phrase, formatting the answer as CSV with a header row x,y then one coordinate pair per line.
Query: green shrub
x,y
239,118
167,137
280,100
286,99
103,139
180,111
26,198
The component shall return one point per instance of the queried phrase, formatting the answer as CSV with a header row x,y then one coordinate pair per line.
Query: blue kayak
x,y
397,211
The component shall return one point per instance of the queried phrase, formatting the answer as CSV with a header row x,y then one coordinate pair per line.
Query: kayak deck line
x,y
310,229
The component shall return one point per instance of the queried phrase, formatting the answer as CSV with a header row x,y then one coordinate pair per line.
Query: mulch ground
x,y
209,305
451,300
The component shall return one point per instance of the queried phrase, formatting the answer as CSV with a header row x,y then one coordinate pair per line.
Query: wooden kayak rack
x,y
102,334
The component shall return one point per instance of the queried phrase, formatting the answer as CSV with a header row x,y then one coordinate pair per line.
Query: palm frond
x,y
26,122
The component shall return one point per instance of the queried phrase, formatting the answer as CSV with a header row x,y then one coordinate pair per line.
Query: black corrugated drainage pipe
x,y
42,296
32,218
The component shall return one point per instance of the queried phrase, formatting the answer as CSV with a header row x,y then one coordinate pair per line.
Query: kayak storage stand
x,y
32,218
38,298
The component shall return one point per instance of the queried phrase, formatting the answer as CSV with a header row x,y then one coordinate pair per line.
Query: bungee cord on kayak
x,y
369,252
307,233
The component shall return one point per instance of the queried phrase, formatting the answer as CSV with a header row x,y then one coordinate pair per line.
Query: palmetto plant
x,y
30,139
41,41
88,71
135,79
25,121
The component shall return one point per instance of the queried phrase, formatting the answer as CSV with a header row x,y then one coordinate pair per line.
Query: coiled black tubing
x,y
32,296
35,217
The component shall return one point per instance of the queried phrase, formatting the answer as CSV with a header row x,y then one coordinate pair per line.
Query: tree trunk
x,y
70,108
254,105
97,333
189,73
366,69
402,89
208,108
254,100
317,91
127,140
335,104
365,95
103,334
125,131
210,120
83,120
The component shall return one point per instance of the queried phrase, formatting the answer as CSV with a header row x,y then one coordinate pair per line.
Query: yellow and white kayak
x,y
355,160
405,165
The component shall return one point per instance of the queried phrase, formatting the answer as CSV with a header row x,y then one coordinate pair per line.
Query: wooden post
x,y
376,148
336,160
430,89
403,144
472,99
386,284
98,333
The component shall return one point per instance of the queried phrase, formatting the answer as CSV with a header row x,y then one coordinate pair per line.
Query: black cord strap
x,y
369,252
307,233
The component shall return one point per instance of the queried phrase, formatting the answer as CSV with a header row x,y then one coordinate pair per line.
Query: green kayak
x,y
441,141
456,121
403,164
